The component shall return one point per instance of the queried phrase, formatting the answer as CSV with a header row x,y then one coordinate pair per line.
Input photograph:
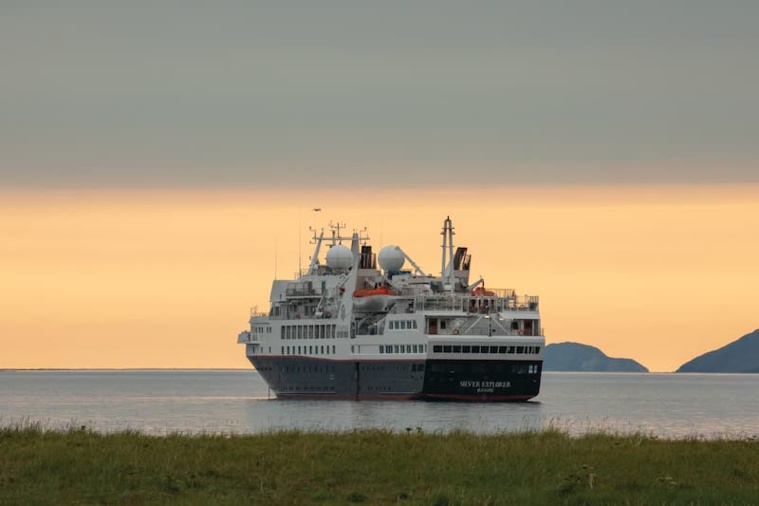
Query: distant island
x,y
740,356
584,358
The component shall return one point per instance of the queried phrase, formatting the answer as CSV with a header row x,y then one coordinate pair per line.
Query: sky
x,y
156,157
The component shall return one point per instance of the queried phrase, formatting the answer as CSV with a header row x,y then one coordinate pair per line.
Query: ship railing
x,y
255,313
307,289
501,300
486,331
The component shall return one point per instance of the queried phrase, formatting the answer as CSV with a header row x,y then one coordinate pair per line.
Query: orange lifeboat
x,y
374,299
373,292
480,291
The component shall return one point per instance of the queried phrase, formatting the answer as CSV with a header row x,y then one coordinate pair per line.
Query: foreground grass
x,y
80,466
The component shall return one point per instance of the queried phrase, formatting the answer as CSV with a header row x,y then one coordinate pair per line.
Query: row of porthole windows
x,y
308,350
402,325
322,331
530,350
308,388
307,369
402,348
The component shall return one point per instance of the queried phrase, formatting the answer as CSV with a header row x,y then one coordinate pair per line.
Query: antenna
x,y
300,246
336,237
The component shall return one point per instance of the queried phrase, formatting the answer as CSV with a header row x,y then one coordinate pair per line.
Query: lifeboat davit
x,y
374,299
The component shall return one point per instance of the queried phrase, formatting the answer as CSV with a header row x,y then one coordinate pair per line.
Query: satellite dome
x,y
391,259
339,257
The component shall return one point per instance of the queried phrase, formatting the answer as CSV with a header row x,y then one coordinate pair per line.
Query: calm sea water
x,y
223,401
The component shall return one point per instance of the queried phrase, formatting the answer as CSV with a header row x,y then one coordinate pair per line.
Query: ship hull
x,y
434,380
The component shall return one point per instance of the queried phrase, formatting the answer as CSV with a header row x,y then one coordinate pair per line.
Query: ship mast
x,y
446,270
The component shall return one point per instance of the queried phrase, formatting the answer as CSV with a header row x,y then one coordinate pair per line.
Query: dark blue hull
x,y
453,380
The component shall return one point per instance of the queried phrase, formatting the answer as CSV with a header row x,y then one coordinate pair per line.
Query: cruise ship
x,y
347,328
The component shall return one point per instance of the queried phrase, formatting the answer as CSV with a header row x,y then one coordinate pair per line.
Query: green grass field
x,y
79,466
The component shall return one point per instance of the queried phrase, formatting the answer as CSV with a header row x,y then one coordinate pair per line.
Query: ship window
x,y
446,349
537,350
403,325
511,349
334,327
381,348
475,349
282,331
416,348
300,332
501,349
281,350
298,350
414,324
310,349
520,349
333,349
442,324
321,350
494,349
457,349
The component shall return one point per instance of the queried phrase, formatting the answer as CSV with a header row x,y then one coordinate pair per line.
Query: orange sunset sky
x,y
166,279
159,161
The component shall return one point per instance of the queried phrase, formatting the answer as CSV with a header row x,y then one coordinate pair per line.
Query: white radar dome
x,y
390,258
339,257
